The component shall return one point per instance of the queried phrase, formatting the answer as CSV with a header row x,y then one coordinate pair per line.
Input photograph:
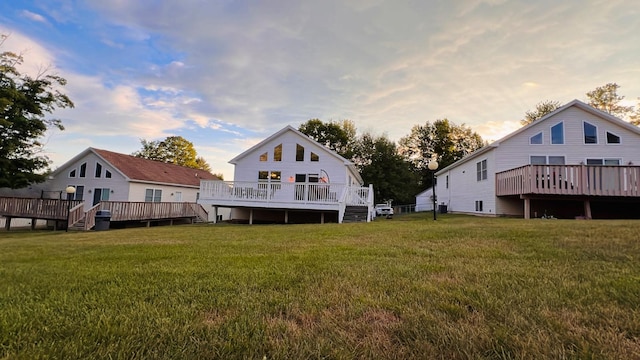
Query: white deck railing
x,y
284,193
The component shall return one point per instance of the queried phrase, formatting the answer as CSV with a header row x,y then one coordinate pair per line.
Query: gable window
x,y
107,174
98,170
590,133
153,195
536,139
481,170
83,170
299,152
315,157
264,157
277,153
557,134
72,173
612,138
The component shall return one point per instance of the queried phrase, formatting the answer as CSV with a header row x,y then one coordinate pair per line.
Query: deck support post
x,y
322,218
148,223
250,216
215,214
7,224
33,223
587,209
286,216
527,208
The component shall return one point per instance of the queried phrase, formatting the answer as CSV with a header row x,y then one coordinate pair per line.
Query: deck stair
x,y
355,214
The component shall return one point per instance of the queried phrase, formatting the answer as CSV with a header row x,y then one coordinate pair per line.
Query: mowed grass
x,y
459,288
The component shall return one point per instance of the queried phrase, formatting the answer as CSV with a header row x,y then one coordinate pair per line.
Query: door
x,y
97,196
178,196
300,191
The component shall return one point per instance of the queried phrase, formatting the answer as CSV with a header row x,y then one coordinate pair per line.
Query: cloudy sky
x,y
226,74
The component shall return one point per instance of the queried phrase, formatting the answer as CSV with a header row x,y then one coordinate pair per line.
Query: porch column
x,y
587,209
250,216
286,216
527,208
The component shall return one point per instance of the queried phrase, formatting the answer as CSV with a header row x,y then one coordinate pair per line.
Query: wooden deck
x,y
570,180
60,210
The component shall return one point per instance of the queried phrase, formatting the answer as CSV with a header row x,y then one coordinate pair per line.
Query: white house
x,y
288,177
424,200
574,162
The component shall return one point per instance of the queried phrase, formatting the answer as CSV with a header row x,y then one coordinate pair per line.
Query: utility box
x,y
103,220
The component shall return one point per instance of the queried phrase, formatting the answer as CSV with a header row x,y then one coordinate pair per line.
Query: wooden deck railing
x,y
569,180
126,211
49,209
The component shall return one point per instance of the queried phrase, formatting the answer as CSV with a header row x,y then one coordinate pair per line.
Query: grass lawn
x,y
459,288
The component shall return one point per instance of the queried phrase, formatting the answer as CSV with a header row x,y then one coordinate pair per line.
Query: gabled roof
x,y
144,170
577,103
303,136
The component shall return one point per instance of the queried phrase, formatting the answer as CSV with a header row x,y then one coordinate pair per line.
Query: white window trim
x,y
620,162
584,136
486,170
607,140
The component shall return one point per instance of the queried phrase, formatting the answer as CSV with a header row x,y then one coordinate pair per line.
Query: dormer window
x,y
590,133
557,134
536,139
264,157
612,138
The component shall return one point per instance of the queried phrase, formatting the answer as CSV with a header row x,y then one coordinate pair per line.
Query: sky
x,y
226,74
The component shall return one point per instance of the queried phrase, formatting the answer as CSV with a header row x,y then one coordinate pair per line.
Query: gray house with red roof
x,y
101,175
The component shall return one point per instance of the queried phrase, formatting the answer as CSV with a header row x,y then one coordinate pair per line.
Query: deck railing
x,y
241,191
592,180
51,209
125,210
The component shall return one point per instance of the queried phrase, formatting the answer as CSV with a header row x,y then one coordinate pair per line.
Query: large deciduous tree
x,y
24,103
173,149
543,108
379,163
606,98
443,140
338,136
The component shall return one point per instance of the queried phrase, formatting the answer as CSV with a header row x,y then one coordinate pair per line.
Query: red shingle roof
x,y
154,171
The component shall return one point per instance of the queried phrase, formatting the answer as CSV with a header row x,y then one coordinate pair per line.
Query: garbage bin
x,y
442,209
103,220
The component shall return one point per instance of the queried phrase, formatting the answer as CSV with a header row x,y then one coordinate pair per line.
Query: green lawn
x,y
461,287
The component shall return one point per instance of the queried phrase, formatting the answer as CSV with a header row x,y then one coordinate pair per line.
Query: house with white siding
x,y
576,162
290,178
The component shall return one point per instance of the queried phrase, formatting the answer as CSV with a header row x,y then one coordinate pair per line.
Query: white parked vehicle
x,y
384,210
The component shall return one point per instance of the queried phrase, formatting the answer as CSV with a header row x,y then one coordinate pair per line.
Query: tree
x,y
442,140
379,163
635,118
337,136
542,109
24,103
606,98
173,149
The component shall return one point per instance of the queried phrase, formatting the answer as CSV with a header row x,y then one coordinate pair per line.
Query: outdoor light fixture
x,y
433,166
70,190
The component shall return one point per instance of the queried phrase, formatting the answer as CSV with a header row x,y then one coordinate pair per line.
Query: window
x,y
263,175
277,153
603,161
79,194
590,133
538,160
315,157
153,195
107,174
478,205
299,152
536,139
269,176
481,168
556,160
83,170
313,178
612,138
557,134
98,170
72,174
264,157
275,176
105,194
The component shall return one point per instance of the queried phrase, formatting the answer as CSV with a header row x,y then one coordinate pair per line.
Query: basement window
x,y
479,205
